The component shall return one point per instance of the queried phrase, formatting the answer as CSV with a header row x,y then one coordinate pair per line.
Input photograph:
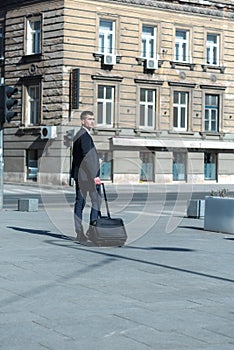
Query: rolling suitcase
x,y
107,231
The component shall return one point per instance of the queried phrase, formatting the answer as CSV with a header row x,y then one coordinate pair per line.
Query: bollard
x,y
28,204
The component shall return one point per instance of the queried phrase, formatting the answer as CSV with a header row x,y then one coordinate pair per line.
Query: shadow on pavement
x,y
114,256
40,232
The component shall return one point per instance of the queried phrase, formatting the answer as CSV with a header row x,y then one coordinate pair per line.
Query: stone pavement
x,y
171,291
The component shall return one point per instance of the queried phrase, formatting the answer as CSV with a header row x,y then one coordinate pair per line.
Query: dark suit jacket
x,y
85,162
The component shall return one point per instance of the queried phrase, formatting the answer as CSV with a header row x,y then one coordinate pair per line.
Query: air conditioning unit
x,y
152,63
48,132
109,59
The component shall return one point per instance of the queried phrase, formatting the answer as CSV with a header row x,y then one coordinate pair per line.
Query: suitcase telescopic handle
x,y
106,202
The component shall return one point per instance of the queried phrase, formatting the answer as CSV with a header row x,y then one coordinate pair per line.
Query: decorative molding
x,y
154,132
206,67
204,134
179,83
209,8
145,81
116,131
107,78
174,64
213,87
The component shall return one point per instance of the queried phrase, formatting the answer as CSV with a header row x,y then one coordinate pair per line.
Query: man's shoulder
x,y
81,133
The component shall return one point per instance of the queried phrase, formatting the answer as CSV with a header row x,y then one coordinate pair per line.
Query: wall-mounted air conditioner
x,y
152,63
109,59
48,132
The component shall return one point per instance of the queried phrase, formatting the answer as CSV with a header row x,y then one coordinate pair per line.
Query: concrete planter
x,y
196,209
219,214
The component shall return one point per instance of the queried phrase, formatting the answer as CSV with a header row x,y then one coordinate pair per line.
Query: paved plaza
x,y
166,289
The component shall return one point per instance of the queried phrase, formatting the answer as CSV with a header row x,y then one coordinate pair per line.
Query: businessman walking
x,y
85,171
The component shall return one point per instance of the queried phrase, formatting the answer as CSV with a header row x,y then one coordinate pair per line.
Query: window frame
x,y
110,49
175,166
148,55
179,107
180,43
209,169
147,159
26,102
211,48
146,103
210,109
104,102
29,41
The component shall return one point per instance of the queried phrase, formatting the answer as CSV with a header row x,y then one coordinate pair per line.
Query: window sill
x,y
174,64
29,130
205,134
206,67
31,58
154,132
181,132
116,131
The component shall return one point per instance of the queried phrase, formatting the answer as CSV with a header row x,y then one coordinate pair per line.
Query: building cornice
x,y
203,7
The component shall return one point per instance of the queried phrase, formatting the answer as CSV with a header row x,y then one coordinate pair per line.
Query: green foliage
x,y
220,193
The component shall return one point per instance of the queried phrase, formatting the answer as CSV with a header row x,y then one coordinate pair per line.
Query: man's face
x,y
88,122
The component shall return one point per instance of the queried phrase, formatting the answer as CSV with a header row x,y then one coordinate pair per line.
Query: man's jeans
x,y
94,192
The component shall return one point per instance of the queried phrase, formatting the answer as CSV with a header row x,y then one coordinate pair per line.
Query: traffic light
x,y
2,108
68,138
10,102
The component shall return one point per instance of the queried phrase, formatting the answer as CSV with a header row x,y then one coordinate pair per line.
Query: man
x,y
85,171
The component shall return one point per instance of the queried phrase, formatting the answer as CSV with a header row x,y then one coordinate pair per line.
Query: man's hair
x,y
84,114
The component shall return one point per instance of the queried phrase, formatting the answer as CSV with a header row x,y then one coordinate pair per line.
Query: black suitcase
x,y
107,231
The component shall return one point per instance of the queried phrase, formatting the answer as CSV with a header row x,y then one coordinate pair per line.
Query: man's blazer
x,y
85,162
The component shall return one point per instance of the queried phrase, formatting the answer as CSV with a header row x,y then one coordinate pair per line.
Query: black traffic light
x,y
68,138
2,105
10,102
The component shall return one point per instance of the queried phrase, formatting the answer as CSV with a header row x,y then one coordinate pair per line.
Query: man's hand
x,y
97,181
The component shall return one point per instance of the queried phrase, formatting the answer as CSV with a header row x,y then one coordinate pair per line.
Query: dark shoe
x,y
80,237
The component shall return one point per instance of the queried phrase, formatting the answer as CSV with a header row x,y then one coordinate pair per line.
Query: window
x,y
147,108
212,49
179,166
33,45
148,42
182,45
105,115
180,110
32,164
210,166
33,116
105,158
211,112
107,37
147,166
1,41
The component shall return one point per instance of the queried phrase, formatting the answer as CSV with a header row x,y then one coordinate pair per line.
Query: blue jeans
x,y
94,192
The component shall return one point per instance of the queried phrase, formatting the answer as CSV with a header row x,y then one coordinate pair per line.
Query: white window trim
x,y
104,101
146,104
209,119
147,38
211,45
29,35
107,49
179,107
36,102
181,42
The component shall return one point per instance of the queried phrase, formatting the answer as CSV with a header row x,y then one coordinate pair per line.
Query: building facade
x,y
158,75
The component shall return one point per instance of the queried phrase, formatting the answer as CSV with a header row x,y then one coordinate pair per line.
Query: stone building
x,y
158,75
